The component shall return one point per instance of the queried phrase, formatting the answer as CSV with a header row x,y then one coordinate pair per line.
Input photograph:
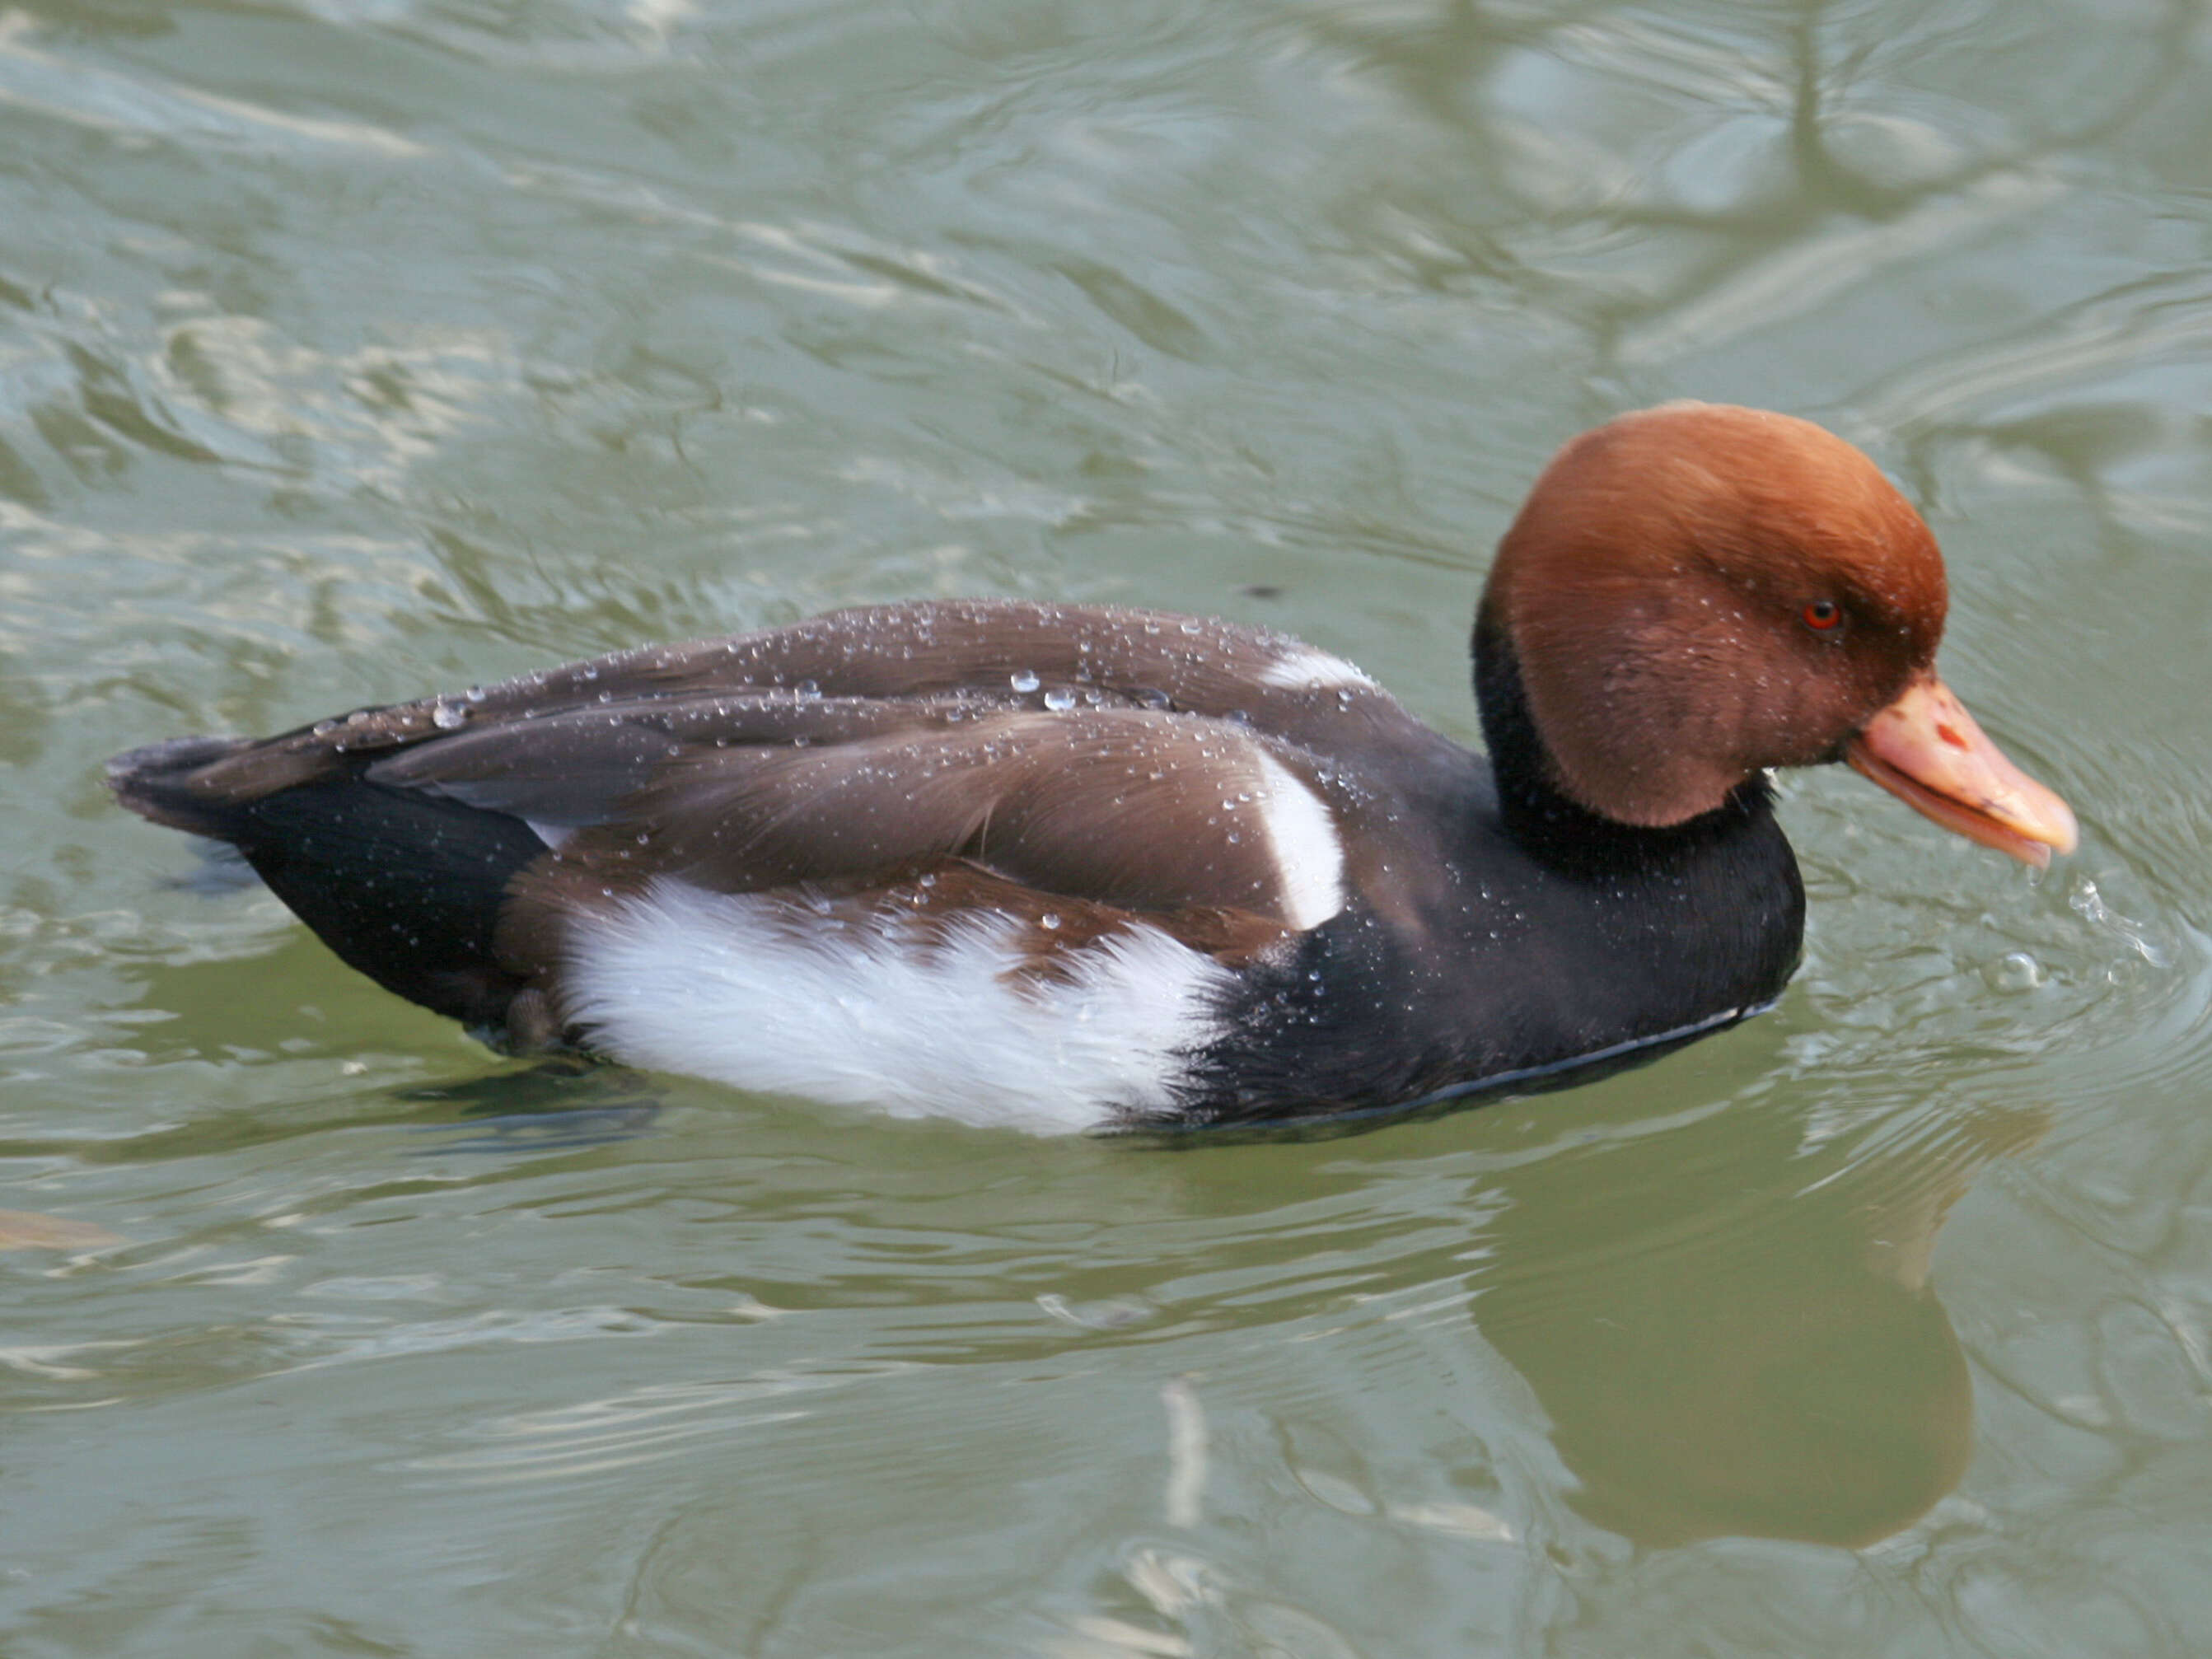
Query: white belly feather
x,y
770,994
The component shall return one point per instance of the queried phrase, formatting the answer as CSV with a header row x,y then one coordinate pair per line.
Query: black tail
x,y
158,782
405,886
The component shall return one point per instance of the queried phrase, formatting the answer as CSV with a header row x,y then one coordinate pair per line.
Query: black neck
x,y
1546,823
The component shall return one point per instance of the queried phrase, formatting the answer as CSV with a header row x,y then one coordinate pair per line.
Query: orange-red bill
x,y
1926,750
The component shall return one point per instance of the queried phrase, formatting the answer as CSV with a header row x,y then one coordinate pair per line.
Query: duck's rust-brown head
x,y
1696,593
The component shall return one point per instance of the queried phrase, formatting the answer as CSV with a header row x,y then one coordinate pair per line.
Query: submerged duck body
x,y
1072,867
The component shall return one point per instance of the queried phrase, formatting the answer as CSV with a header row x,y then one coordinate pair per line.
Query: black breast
x,y
1518,941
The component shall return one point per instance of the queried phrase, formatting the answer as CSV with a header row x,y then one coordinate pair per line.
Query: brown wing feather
x,y
959,645
1094,763
1140,810
1001,654
581,766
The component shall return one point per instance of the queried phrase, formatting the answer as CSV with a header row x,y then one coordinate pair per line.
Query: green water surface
x,y
356,348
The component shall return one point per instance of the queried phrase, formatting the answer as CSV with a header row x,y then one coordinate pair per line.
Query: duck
x,y
1081,868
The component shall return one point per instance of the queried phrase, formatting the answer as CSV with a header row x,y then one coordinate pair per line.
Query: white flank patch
x,y
771,995
1302,836
1302,667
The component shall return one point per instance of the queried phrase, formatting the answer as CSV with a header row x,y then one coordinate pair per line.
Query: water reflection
x,y
1726,1313
1745,1340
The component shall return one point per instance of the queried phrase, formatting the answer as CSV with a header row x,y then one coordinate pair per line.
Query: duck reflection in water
x,y
1729,1324
1724,1348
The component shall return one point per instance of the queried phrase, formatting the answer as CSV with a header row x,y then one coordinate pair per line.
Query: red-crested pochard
x,y
1069,867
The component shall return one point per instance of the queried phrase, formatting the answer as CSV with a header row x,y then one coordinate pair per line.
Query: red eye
x,y
1823,614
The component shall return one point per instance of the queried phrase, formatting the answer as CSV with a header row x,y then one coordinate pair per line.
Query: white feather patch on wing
x,y
1303,666
1302,836
772,993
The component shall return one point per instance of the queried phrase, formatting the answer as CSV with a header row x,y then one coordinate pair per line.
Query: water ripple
x,y
109,101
